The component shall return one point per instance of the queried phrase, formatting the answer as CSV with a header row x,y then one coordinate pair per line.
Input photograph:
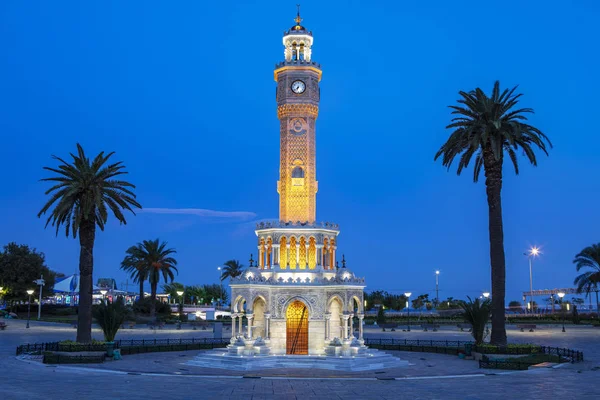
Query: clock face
x,y
298,87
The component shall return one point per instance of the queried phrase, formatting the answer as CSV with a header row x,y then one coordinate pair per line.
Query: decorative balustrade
x,y
298,224
317,280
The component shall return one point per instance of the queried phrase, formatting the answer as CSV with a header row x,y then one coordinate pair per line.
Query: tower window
x,y
298,172
297,176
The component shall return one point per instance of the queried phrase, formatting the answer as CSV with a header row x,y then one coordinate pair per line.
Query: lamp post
x,y
533,252
561,295
29,292
40,282
180,294
407,294
437,287
103,293
220,283
486,295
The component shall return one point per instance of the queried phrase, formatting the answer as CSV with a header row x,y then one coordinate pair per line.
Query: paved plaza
x,y
160,375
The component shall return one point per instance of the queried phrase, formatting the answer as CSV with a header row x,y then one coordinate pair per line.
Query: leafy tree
x,y
477,313
20,265
213,292
232,269
588,260
157,261
83,193
514,305
133,263
172,288
420,301
487,128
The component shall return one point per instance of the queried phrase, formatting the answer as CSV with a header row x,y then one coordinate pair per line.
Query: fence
x,y
424,346
137,346
504,364
58,346
51,358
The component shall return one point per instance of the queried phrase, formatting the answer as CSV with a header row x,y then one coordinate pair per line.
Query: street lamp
x,y
561,295
29,292
407,294
221,283
533,252
437,287
180,294
103,293
486,294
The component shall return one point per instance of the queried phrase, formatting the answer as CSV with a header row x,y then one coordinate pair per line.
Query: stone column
x,y
249,317
346,318
327,327
267,325
233,324
360,326
240,322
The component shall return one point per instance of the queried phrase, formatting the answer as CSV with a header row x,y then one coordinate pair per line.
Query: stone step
x,y
222,360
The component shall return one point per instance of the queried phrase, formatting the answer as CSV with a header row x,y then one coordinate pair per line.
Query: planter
x,y
110,347
468,349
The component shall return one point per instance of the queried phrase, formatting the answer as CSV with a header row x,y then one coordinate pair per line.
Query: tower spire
x,y
298,19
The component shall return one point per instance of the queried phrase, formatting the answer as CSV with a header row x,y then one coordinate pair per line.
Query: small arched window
x,y
298,172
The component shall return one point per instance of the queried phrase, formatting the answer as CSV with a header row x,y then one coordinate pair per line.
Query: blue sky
x,y
183,92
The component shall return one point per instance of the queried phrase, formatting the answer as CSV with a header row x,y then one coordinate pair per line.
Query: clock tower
x,y
298,95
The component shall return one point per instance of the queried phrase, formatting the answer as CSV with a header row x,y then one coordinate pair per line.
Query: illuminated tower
x,y
298,95
296,298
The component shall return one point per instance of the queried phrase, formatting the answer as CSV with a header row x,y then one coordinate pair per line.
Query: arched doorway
x,y
296,328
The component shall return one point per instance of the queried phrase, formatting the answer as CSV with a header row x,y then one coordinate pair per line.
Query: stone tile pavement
x,y
24,380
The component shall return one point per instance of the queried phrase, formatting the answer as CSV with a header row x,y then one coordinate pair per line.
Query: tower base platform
x,y
222,359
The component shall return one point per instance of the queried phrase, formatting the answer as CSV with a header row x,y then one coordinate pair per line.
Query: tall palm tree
x,y
231,269
487,128
82,196
156,260
134,264
588,281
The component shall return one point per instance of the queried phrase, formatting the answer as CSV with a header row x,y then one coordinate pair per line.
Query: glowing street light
x,y
103,293
221,282
533,252
407,294
180,294
561,295
437,287
486,294
29,292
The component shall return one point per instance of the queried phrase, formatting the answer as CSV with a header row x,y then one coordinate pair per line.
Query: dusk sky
x,y
183,92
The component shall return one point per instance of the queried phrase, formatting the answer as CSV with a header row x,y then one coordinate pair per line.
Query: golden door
x,y
296,328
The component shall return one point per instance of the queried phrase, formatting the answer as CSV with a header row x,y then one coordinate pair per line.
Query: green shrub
x,y
477,313
381,316
143,307
110,317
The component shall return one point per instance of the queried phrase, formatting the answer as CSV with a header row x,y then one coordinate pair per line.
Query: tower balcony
x,y
297,63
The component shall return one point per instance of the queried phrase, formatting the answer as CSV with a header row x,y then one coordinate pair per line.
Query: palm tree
x,y
589,280
134,264
487,128
82,196
232,269
156,260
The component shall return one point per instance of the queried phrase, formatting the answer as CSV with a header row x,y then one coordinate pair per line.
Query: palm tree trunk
x,y
153,299
141,289
87,236
493,182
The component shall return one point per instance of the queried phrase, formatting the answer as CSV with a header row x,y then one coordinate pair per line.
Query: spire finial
x,y
343,261
251,261
298,19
